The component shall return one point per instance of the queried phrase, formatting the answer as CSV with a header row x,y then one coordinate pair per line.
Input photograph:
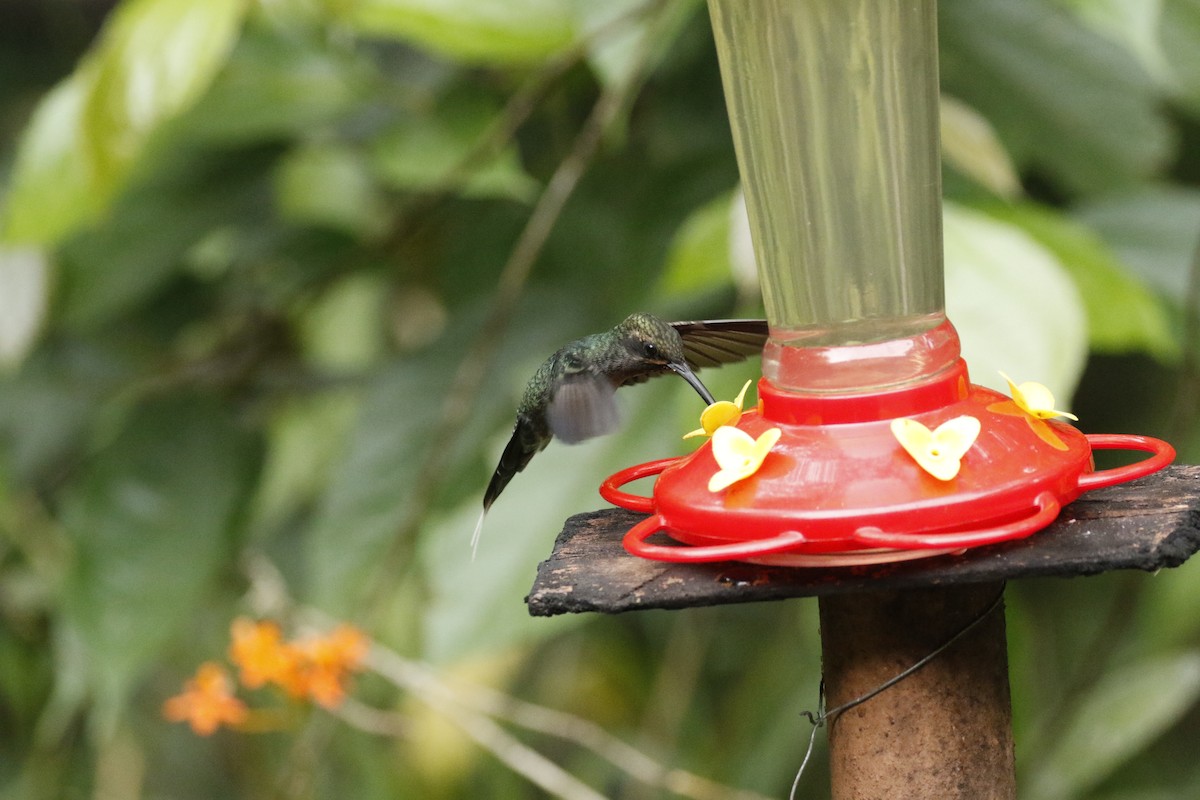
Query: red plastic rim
x,y
768,518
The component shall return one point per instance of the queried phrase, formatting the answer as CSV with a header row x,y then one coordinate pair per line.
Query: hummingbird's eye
x,y
650,349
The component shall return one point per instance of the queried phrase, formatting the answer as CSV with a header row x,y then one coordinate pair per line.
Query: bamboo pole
x,y
943,732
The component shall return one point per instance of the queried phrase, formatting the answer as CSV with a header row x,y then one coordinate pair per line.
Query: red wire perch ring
x,y
610,490
1164,454
635,543
1046,508
635,540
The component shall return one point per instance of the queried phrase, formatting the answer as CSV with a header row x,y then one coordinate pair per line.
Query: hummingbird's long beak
x,y
685,372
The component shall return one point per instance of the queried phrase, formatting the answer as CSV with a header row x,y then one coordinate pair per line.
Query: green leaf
x,y
53,185
615,36
477,605
24,684
24,287
331,186
970,145
1180,31
1122,313
1036,73
1182,785
699,258
621,33
1155,231
368,500
157,58
303,438
1166,620
279,84
50,403
152,521
1014,305
1119,718
106,270
497,31
344,329
441,150
153,60
1133,24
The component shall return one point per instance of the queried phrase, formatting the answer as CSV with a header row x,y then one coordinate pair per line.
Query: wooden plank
x,y
1149,524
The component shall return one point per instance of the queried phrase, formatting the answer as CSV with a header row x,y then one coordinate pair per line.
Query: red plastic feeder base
x,y
838,489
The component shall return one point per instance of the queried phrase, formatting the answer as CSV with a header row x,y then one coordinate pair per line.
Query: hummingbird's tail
x,y
521,448
517,453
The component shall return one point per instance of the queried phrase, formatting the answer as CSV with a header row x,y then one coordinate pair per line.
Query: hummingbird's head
x,y
655,346
649,340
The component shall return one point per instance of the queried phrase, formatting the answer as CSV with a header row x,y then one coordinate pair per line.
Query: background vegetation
x,y
273,275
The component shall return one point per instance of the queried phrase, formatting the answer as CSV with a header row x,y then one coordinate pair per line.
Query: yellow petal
x,y
1040,402
938,452
1035,399
764,443
741,398
914,437
723,479
719,413
955,436
738,455
722,412
731,447
1012,387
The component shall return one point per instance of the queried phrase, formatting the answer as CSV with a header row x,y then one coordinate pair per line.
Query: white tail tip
x,y
475,535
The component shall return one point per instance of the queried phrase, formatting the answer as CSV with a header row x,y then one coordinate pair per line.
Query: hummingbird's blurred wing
x,y
707,343
584,405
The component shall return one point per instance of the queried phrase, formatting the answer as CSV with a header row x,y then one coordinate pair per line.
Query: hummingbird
x,y
572,394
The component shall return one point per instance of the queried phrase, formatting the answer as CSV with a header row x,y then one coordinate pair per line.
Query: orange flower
x,y
261,655
326,663
207,701
314,669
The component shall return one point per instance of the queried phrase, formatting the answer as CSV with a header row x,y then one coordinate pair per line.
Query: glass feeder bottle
x,y
834,111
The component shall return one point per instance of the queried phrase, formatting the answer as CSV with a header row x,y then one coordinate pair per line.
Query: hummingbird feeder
x,y
835,123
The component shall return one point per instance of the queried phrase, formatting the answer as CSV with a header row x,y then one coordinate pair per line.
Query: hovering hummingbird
x,y
572,394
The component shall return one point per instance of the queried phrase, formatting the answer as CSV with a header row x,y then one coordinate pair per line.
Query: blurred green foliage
x,y
247,248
